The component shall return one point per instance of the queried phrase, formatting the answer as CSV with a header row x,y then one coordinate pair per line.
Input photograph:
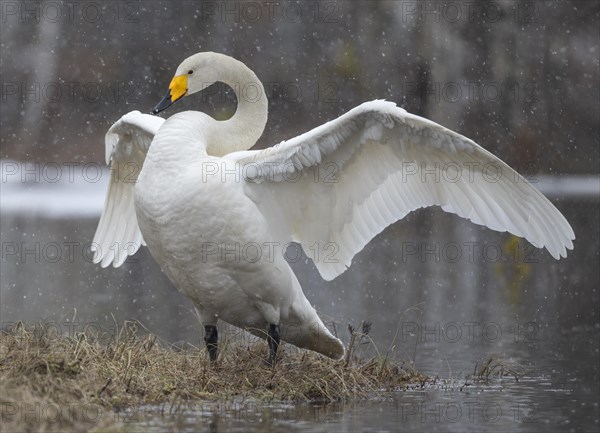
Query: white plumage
x,y
331,189
387,163
127,141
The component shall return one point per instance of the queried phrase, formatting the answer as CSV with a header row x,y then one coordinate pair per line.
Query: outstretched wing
x,y
127,141
334,188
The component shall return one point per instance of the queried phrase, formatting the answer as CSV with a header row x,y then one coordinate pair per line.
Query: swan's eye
x,y
190,72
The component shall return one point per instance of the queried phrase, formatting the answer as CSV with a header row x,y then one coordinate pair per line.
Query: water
x,y
552,396
556,391
441,293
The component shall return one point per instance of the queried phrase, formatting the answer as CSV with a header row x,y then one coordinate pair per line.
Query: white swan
x,y
216,216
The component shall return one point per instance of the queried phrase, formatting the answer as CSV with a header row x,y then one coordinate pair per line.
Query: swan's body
x,y
216,217
198,230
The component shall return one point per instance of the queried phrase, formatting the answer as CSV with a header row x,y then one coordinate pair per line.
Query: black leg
x,y
211,337
273,339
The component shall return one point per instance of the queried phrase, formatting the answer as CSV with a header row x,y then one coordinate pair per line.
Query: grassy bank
x,y
50,382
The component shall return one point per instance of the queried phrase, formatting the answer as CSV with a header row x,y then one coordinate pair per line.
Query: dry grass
x,y
495,368
55,383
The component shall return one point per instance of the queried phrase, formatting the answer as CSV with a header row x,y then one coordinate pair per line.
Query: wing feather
x,y
127,141
388,163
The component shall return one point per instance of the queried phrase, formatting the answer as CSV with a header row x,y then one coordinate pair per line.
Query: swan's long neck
x,y
245,127
191,135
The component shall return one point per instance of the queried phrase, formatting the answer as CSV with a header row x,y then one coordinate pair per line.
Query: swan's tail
x,y
324,342
306,330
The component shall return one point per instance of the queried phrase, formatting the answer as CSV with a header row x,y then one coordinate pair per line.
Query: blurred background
x,y
520,78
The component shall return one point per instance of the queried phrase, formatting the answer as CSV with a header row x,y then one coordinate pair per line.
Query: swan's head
x,y
194,74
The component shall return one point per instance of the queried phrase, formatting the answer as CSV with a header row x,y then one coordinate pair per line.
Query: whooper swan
x,y
216,216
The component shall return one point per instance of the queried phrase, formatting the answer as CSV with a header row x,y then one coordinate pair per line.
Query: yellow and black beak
x,y
177,90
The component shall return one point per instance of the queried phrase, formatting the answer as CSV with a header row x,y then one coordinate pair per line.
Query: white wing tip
x,y
563,250
134,117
